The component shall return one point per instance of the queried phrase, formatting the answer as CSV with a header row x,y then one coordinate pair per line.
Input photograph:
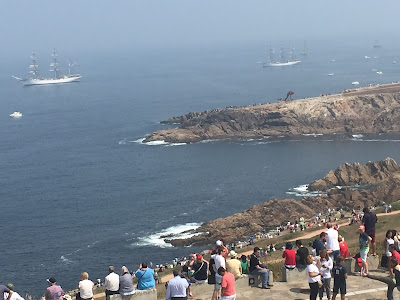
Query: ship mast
x,y
54,64
34,66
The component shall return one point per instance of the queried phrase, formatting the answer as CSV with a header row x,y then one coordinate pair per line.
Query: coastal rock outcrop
x,y
366,110
384,175
357,174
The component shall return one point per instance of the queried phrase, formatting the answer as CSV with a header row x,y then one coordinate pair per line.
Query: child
x,y
339,279
326,267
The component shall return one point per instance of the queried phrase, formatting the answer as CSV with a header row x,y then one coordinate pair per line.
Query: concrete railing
x,y
352,267
150,294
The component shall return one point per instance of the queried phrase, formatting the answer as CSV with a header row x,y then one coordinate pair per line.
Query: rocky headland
x,y
374,109
360,185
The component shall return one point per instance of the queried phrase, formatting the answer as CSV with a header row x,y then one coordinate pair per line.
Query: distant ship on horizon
x,y
57,78
283,62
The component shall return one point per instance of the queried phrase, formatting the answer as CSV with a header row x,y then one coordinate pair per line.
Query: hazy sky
x,y
130,24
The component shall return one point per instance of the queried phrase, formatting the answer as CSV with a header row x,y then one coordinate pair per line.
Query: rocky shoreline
x,y
374,109
350,186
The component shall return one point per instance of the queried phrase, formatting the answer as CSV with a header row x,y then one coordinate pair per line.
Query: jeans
x,y
314,290
326,287
334,255
265,275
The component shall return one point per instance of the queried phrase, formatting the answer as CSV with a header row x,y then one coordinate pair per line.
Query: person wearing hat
x,y
4,289
200,268
14,295
233,265
54,291
364,240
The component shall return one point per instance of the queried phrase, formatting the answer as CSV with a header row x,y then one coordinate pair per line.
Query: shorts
x,y
218,280
364,253
372,235
339,286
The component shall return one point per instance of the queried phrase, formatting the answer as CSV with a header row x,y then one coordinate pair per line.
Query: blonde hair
x,y
124,270
310,259
85,275
340,238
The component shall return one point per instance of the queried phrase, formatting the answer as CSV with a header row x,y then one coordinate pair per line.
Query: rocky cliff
x,y
366,110
383,185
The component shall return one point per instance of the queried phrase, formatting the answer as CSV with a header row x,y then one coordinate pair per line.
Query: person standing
x,y
200,268
364,240
219,260
233,265
314,276
145,277
85,287
339,279
111,282
326,268
227,285
369,220
256,268
176,288
53,292
332,242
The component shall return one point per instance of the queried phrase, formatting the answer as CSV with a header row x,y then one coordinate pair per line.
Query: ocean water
x,y
80,191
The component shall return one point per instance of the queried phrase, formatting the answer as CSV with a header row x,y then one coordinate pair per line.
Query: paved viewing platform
x,y
360,288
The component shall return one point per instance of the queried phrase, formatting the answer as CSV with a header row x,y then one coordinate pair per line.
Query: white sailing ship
x,y
283,62
57,77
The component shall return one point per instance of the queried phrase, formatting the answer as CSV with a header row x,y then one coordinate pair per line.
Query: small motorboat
x,y
331,74
379,72
16,114
355,83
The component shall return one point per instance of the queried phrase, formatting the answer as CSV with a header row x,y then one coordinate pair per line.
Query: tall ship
x,y
54,68
282,61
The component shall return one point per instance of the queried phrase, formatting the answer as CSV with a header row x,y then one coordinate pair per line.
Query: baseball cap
x,y
219,243
199,256
51,280
361,227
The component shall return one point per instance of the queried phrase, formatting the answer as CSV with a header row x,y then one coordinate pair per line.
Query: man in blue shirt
x,y
318,245
176,288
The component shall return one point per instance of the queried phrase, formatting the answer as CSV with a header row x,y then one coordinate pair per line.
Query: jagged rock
x,y
357,174
383,174
365,110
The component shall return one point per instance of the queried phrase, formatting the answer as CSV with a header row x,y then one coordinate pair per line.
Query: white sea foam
x,y
173,232
357,136
176,144
122,142
138,141
156,143
302,191
66,260
312,134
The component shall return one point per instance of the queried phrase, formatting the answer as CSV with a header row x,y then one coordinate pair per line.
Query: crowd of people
x,y
322,262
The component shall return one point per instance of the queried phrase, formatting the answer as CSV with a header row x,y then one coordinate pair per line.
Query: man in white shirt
x,y
111,282
332,242
219,260
176,288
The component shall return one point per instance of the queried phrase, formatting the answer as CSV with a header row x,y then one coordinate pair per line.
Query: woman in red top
x,y
290,256
344,251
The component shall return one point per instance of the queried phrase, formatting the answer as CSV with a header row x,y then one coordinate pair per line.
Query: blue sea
x,y
79,190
